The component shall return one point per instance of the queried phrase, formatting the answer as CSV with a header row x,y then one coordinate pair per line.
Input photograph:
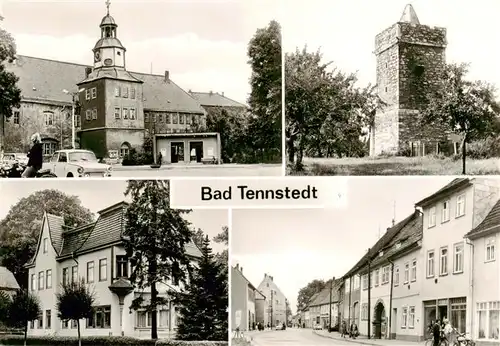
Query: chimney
x,y
88,71
265,275
211,93
223,93
237,266
190,91
167,76
241,269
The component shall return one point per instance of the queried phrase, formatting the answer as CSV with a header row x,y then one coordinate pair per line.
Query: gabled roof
x,y
323,297
7,280
453,186
44,80
211,99
490,224
237,271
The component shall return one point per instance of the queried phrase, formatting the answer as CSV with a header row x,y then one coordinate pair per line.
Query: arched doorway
x,y
125,149
379,320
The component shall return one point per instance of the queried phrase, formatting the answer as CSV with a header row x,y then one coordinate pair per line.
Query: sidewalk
x,y
121,168
365,341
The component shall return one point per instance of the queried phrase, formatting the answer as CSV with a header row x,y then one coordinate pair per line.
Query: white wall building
x,y
94,253
276,299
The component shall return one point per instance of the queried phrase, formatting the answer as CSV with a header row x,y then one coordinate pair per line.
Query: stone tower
x,y
410,56
112,115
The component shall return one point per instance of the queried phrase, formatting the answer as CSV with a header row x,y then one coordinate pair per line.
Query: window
x,y
372,274
348,285
49,148
41,280
132,93
377,277
146,117
94,114
356,282
490,249
411,317
121,267
404,321
364,312
458,258
100,318
117,92
132,113
33,282
181,118
90,272
125,113
175,118
49,118
458,313
398,245
432,217
460,206
94,93
430,263
365,281
167,118
414,270
40,320
443,261
16,117
144,319
396,275
65,324
124,150
153,117
103,268
87,94
48,278
445,212
45,245
65,276
88,115
407,272
125,92
117,113
48,319
74,274
385,274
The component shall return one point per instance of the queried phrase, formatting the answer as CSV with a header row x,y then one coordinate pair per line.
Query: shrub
x,y
484,149
101,341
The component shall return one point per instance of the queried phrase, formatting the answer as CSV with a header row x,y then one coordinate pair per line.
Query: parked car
x,y
76,163
11,158
318,326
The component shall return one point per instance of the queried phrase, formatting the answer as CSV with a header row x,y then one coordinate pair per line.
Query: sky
x,y
203,43
345,31
298,246
99,194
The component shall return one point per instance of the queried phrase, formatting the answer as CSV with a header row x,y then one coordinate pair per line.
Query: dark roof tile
x,y
491,223
215,100
450,187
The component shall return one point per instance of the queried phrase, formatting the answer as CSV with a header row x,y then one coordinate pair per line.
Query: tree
x,y
155,237
264,52
11,94
74,303
24,308
204,301
306,293
20,229
468,108
198,237
5,302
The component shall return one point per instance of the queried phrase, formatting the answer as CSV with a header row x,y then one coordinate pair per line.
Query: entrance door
x,y
196,151
379,320
443,313
176,152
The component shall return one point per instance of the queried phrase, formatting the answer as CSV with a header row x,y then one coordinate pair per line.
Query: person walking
x,y
35,157
436,333
344,329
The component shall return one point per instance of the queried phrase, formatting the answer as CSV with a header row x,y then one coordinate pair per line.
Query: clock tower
x,y
111,98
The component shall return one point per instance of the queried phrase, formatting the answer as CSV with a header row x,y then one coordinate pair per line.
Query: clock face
x,y
108,62
97,56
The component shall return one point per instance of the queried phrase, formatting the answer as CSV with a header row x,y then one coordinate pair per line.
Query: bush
x,y
135,158
484,149
101,341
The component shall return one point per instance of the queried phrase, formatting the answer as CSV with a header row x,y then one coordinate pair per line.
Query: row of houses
x,y
439,262
323,306
250,305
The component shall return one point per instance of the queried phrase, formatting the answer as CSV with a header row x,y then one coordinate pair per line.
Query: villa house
x,y
486,279
94,253
449,214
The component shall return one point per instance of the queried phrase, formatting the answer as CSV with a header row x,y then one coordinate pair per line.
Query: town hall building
x,y
116,110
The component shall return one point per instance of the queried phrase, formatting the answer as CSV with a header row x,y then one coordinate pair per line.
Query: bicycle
x,y
442,342
463,340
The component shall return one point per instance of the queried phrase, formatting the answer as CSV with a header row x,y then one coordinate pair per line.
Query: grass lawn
x,y
240,342
397,166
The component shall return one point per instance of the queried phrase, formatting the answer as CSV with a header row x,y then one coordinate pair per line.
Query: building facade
x,y
410,56
276,299
94,253
246,302
116,110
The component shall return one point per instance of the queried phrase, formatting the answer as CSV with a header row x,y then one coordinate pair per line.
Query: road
x,y
199,171
295,337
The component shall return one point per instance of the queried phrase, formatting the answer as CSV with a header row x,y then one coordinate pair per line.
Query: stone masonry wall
x,y
386,132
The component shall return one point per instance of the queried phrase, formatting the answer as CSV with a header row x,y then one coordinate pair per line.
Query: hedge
x,y
101,341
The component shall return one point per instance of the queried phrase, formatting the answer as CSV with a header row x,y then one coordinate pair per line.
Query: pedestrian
x,y
436,333
344,329
448,329
160,158
35,157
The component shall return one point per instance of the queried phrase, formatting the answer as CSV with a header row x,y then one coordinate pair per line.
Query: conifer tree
x,y
203,302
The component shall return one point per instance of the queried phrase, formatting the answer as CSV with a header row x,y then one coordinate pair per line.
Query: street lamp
x,y
73,94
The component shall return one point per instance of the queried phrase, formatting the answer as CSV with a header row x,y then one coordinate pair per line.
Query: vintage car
x,y
10,158
76,163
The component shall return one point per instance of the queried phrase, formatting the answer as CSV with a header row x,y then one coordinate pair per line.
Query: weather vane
x,y
108,2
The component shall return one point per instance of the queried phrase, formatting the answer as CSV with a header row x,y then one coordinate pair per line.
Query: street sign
x,y
237,317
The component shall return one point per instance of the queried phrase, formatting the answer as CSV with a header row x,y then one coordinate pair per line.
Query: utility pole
x,y
330,306
369,294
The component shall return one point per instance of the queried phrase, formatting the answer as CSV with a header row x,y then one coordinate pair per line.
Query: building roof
x,y
409,15
323,297
44,80
7,280
237,269
490,224
451,187
212,99
408,232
